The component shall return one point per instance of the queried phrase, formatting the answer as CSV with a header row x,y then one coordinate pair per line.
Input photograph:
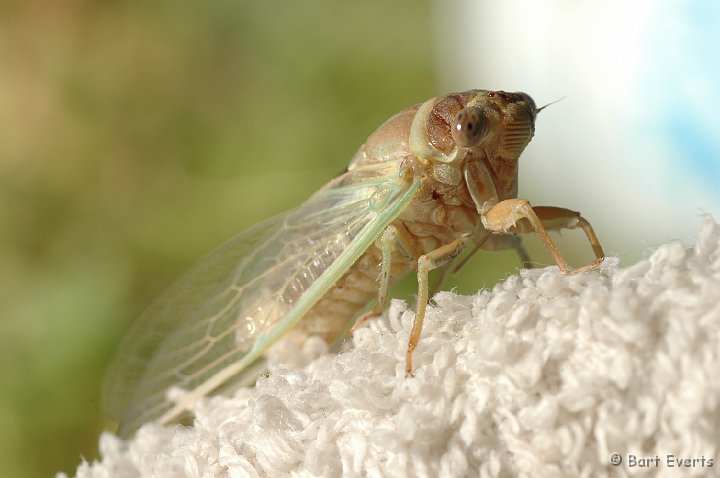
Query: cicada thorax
x,y
389,142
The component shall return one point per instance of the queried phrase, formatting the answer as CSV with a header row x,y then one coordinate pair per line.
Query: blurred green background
x,y
136,136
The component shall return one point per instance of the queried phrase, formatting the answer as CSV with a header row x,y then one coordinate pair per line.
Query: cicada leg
x,y
518,216
478,240
488,242
491,243
392,239
427,262
509,241
555,218
443,273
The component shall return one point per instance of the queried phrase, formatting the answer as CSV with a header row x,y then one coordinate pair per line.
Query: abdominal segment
x,y
343,302
345,299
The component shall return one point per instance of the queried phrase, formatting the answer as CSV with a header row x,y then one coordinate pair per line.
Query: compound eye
x,y
469,126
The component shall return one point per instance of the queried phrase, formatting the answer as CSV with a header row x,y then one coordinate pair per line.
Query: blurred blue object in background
x,y
635,144
682,78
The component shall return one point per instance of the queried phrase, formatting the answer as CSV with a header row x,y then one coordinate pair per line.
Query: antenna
x,y
538,110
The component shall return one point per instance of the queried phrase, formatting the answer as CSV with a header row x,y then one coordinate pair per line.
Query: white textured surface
x,y
545,375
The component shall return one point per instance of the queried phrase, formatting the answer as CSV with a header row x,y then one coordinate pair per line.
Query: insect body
x,y
429,181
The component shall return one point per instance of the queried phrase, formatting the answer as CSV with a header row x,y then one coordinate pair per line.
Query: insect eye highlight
x,y
469,126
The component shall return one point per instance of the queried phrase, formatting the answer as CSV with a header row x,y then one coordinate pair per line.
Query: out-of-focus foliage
x,y
134,137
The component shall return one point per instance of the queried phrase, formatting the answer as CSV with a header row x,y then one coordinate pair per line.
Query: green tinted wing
x,y
211,325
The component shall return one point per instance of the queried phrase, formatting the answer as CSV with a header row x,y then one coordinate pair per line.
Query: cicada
x,y
432,180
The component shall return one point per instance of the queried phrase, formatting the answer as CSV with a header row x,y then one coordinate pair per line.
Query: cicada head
x,y
490,123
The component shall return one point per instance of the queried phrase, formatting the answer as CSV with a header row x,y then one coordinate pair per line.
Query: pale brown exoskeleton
x,y
465,147
428,182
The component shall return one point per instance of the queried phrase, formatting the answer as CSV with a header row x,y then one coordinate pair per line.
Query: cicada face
x,y
446,128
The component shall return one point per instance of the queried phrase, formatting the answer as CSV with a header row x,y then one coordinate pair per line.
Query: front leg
x,y
427,262
517,216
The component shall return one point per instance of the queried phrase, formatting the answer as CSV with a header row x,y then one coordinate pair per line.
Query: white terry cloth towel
x,y
545,375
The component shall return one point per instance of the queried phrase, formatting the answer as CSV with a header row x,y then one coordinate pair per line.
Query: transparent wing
x,y
217,320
